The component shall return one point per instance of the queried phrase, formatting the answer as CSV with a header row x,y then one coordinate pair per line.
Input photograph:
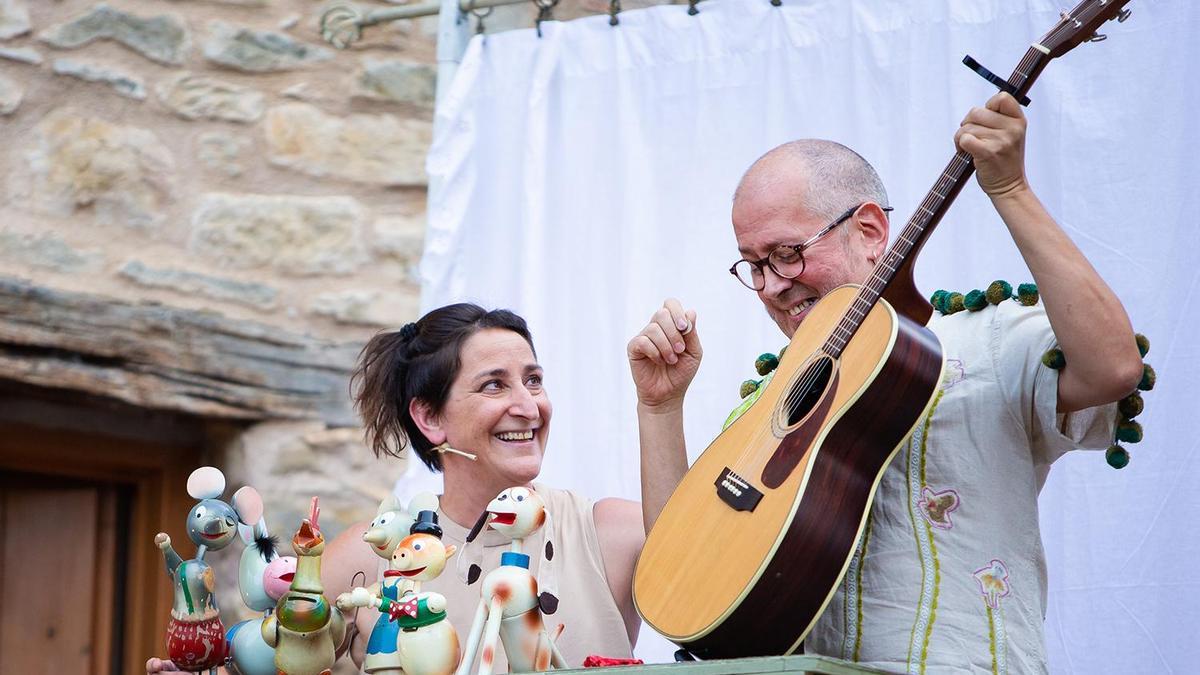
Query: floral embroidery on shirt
x,y
993,582
955,373
931,574
937,506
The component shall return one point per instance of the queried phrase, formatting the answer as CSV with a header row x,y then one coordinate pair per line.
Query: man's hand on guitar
x,y
665,356
995,137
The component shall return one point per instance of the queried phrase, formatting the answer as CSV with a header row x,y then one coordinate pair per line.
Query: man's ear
x,y
872,225
429,423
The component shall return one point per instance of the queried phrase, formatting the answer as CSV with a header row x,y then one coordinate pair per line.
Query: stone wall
x,y
214,156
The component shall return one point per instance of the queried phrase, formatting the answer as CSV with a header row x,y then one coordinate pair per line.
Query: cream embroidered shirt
x,y
950,575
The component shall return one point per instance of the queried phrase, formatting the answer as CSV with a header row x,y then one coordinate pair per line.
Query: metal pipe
x,y
377,16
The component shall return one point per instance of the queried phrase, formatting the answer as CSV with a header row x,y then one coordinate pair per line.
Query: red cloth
x,y
594,661
196,645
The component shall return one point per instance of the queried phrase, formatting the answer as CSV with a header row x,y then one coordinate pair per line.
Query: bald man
x,y
949,574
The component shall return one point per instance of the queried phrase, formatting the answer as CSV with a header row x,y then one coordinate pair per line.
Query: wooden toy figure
x,y
412,636
393,522
511,607
195,636
263,577
305,630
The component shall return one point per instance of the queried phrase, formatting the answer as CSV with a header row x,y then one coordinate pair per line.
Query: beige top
x,y
593,623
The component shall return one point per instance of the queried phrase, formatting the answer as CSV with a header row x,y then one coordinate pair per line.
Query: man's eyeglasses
x,y
786,261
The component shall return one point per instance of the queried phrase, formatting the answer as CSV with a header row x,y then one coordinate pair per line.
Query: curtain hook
x,y
614,8
479,15
545,13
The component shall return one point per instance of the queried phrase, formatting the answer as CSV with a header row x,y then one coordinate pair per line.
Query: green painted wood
x,y
751,666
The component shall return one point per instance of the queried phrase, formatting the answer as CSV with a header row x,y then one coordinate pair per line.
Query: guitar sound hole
x,y
807,390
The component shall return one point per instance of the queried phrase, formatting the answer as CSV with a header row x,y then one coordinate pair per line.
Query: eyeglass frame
x,y
798,248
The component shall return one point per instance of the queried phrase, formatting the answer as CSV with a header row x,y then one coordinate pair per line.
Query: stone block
x,y
373,149
196,97
221,151
161,38
251,294
48,252
11,95
294,235
14,19
401,238
258,51
22,55
76,161
125,84
352,307
397,80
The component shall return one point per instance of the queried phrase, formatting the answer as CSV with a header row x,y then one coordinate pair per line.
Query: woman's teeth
x,y
516,435
795,311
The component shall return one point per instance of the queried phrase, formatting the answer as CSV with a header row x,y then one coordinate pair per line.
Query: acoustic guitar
x,y
756,537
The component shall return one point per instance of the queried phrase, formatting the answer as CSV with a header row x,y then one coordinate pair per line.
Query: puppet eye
x,y
416,547
520,498
502,497
201,512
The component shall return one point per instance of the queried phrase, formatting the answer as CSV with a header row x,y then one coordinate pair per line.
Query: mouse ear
x,y
248,504
207,482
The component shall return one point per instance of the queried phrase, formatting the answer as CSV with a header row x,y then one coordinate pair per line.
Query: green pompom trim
x,y
1148,378
949,302
1131,406
998,291
1129,432
1143,344
975,300
1054,359
1027,294
1116,456
938,300
765,363
748,387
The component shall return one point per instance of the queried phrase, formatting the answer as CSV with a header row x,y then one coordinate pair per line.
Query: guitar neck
x,y
903,252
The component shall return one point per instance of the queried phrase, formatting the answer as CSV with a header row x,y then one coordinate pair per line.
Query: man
x,y
950,573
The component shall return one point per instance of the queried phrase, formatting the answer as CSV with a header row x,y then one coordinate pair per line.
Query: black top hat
x,y
426,523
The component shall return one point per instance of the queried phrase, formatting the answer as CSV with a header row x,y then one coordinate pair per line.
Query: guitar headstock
x,y
1080,25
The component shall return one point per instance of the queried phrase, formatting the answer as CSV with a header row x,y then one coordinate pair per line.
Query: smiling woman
x,y
463,389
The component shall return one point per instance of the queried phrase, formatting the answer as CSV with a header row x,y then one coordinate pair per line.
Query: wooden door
x,y
82,586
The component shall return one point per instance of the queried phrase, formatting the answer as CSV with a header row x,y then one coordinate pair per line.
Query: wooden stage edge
x,y
759,665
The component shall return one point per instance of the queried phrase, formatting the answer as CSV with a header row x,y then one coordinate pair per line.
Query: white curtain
x,y
586,175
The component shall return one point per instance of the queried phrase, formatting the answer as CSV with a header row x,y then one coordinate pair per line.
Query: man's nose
x,y
773,284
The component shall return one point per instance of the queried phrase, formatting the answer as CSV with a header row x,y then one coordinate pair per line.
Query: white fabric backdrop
x,y
587,175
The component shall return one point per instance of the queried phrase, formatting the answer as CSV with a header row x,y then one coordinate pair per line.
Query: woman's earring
x,y
443,448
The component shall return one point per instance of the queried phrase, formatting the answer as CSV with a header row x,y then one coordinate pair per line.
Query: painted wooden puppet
x,y
305,630
511,607
195,636
263,577
412,635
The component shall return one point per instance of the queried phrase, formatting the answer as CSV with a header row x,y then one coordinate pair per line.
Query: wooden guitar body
x,y
724,582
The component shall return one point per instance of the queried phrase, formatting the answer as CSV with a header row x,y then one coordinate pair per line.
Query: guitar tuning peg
x,y
1123,14
1098,37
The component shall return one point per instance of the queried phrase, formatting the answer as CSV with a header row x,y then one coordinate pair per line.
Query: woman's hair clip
x,y
408,331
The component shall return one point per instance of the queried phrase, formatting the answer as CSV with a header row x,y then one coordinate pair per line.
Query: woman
x,y
463,389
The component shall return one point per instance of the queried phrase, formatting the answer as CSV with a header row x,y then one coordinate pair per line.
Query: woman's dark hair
x,y
419,361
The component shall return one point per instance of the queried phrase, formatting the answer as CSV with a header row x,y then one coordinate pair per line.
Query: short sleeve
x,y
1020,336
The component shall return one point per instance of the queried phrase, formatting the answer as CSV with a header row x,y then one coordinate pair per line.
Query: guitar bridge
x,y
736,492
